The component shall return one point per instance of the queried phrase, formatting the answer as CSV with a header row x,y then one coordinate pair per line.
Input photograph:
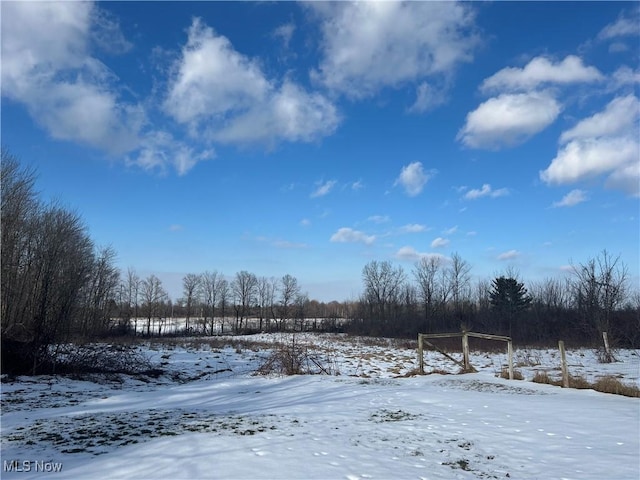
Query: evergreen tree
x,y
508,298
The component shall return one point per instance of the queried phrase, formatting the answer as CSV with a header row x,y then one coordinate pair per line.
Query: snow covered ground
x,y
210,417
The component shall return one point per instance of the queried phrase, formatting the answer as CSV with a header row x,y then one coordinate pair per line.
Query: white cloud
x,y
623,26
615,119
323,189
606,143
439,242
541,71
358,185
284,32
413,178
47,66
413,228
508,120
158,150
624,76
574,197
408,253
485,191
175,227
509,255
289,114
367,46
379,218
225,94
450,231
428,98
305,222
349,235
106,32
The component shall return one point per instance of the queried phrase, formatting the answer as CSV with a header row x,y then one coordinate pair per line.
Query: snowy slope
x,y
229,424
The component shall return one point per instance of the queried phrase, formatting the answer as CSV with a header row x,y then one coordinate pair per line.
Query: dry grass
x,y
611,384
606,384
517,374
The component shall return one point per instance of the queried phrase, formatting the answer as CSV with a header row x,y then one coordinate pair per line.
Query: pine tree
x,y
508,298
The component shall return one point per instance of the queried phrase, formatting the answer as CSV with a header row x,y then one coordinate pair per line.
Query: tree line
x,y
438,295
58,286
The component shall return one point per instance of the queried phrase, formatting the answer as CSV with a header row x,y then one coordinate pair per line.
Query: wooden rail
x,y
465,364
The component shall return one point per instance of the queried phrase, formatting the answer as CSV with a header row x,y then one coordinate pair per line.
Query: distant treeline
x,y
57,286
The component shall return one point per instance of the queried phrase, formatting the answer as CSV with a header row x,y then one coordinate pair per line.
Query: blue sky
x,y
312,138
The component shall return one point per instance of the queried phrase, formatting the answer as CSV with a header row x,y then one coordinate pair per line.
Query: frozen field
x,y
208,416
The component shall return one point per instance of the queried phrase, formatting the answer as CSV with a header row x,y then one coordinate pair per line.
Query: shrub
x,y
543,377
611,384
517,374
295,359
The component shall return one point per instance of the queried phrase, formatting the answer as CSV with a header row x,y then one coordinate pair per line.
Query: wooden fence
x,y
465,364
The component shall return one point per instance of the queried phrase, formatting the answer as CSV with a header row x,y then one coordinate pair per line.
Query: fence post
x,y
510,355
565,371
465,351
420,355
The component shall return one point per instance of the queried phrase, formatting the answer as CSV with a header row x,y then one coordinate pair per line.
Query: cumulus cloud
x,y
367,46
527,103
408,253
485,191
606,143
225,96
627,24
48,66
508,120
439,242
158,150
574,197
428,98
323,189
349,235
413,228
624,76
413,178
509,255
615,119
284,32
539,71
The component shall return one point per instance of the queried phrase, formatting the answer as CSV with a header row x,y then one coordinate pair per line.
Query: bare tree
x,y
190,291
289,290
244,288
223,293
382,284
131,298
301,305
209,283
265,299
99,292
425,273
458,276
599,288
152,295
